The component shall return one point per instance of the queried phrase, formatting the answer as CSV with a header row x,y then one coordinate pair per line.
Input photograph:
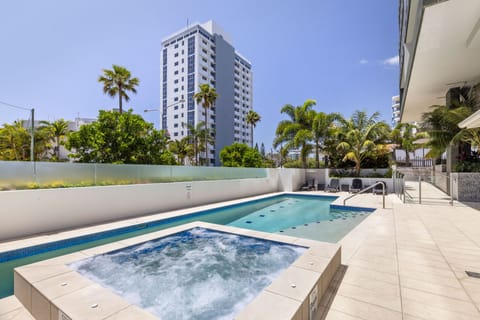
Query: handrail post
x,y
383,194
451,187
420,189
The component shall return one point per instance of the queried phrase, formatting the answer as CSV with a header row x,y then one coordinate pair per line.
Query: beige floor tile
x,y
367,274
443,280
386,297
414,268
379,287
435,288
363,310
412,254
9,304
337,315
423,262
440,302
19,314
424,310
472,286
387,267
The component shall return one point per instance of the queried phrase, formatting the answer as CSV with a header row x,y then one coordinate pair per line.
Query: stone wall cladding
x,y
467,186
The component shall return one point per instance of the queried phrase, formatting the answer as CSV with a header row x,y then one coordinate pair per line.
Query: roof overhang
x,y
446,55
471,122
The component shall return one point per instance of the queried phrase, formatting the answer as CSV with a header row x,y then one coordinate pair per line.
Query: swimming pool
x,y
291,212
194,274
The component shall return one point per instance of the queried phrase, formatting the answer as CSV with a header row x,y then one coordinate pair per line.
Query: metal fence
x,y
434,188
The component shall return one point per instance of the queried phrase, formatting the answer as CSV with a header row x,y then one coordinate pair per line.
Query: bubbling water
x,y
195,274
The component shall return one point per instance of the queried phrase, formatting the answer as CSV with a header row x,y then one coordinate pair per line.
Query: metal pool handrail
x,y
366,189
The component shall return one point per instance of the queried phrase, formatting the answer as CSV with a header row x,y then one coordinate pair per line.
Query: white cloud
x,y
363,61
393,61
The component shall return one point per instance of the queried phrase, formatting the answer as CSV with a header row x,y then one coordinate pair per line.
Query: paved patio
x,y
407,261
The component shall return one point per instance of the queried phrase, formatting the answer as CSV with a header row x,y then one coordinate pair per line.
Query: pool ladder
x,y
366,189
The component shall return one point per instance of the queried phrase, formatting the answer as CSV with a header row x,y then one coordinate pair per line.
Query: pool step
x,y
12,309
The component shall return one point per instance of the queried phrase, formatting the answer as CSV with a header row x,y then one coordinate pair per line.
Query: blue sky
x,y
340,53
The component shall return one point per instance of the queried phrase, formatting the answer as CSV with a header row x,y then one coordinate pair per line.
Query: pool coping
x,y
49,289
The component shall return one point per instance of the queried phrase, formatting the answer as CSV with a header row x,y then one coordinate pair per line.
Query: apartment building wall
x,y
203,54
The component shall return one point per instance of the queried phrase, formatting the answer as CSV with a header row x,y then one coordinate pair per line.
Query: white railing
x,y
366,189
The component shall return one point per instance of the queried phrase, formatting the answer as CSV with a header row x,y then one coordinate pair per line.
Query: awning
x,y
471,122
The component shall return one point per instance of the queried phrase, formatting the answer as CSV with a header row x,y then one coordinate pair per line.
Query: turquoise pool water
x,y
311,217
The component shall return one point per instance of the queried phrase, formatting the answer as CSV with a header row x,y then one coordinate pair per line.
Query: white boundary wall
x,y
28,212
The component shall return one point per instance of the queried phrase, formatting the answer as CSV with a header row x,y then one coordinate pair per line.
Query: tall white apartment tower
x,y
199,54
395,110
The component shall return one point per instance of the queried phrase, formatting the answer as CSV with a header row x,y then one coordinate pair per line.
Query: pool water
x,y
194,274
306,216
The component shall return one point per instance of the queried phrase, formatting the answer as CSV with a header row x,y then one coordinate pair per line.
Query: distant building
x,y
204,54
395,110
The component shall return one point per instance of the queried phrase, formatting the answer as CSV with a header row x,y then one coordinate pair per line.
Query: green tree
x,y
405,135
196,137
240,155
57,131
362,136
297,131
252,119
120,138
206,97
118,81
14,142
442,126
182,149
323,127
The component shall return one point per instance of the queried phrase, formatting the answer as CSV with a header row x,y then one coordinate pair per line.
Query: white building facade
x,y
395,110
203,54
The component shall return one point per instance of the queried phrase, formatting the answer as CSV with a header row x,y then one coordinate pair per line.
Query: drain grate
x,y
473,274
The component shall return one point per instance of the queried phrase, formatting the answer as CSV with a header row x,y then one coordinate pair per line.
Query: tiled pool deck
x,y
403,262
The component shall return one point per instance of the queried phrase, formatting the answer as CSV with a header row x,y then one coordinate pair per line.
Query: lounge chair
x,y
357,185
334,185
378,188
308,186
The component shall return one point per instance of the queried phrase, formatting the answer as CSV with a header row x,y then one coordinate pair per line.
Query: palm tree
x,y
182,149
322,128
405,135
56,130
196,136
362,136
441,125
206,97
297,131
118,82
252,119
